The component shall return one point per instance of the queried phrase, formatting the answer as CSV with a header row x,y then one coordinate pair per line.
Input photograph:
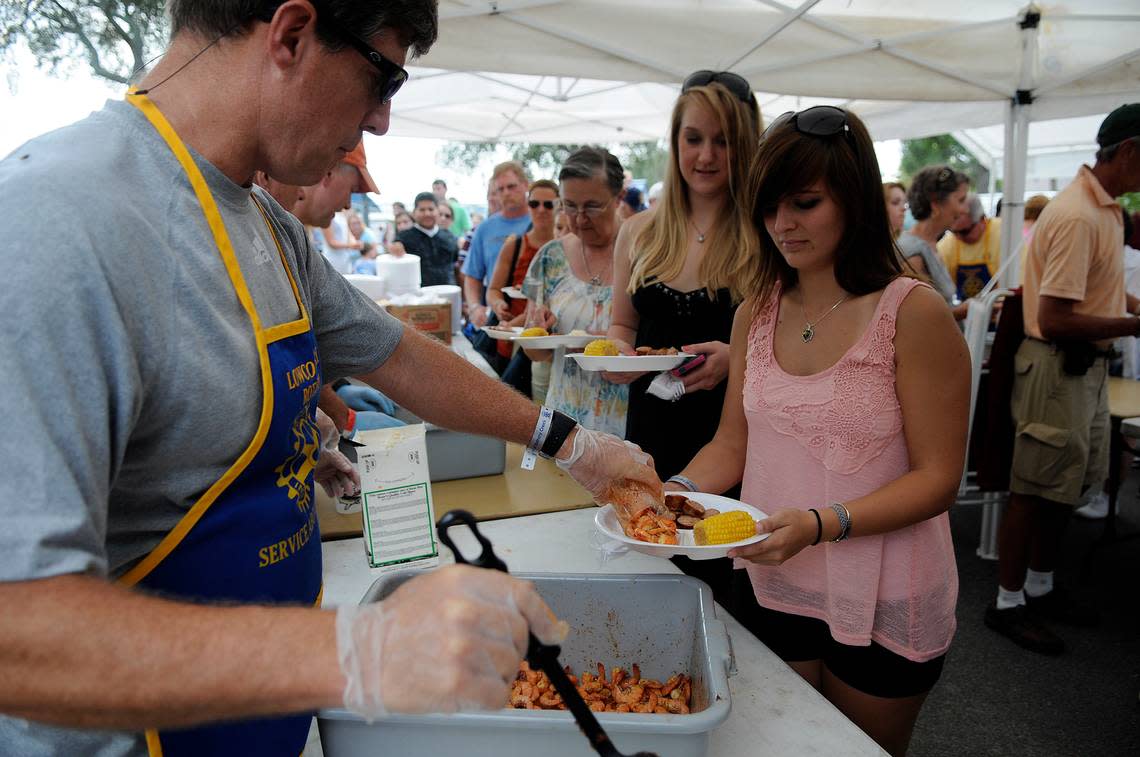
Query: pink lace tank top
x,y
833,437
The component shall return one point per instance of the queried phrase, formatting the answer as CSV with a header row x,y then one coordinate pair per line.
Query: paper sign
x,y
399,519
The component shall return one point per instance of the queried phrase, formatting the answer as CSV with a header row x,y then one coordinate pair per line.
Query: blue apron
x,y
253,536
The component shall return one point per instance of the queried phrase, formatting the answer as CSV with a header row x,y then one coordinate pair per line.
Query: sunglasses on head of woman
x,y
817,121
734,83
548,204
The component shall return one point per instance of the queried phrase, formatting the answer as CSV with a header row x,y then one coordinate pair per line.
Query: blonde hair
x,y
660,248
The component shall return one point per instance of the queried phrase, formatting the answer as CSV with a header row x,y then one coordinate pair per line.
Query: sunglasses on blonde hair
x,y
734,83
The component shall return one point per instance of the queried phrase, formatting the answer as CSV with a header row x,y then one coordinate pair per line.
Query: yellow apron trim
x,y
153,745
292,328
225,247
320,596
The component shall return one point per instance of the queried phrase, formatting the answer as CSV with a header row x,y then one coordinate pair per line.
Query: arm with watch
x,y
437,385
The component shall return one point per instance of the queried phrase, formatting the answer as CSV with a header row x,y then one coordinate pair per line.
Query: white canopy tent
x,y
560,70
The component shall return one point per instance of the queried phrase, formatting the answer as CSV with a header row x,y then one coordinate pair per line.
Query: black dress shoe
x,y
1024,629
1060,606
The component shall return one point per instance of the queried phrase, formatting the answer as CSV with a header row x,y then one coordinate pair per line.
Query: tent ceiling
x,y
600,70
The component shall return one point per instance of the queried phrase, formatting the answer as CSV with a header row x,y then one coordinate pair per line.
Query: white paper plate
x,y
555,340
606,521
630,363
503,333
514,293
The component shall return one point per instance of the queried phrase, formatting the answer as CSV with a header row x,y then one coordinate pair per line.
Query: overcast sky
x,y
33,102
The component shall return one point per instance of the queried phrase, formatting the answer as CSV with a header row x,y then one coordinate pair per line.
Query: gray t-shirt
x,y
129,366
939,274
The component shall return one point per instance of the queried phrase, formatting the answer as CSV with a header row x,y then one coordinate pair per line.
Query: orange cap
x,y
357,158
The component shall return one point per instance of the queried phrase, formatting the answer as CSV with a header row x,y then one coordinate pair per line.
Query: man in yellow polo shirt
x,y
972,251
1074,305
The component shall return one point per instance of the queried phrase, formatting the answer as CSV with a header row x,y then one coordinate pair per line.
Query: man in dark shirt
x,y
436,247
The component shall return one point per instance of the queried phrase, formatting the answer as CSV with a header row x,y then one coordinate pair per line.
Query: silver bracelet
x,y
844,516
684,481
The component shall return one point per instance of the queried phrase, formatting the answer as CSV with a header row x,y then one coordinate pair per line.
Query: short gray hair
x,y
594,163
974,205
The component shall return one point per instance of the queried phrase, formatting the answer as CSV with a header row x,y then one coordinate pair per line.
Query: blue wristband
x,y
684,481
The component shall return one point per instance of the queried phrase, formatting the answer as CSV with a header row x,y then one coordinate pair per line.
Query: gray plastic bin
x,y
665,623
455,454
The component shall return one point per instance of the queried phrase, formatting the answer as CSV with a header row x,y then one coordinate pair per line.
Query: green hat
x,y
1119,125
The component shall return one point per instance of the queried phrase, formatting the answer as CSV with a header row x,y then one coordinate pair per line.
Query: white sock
x,y
1007,599
1038,584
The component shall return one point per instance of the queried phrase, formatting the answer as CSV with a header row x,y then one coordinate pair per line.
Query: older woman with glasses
x,y
937,201
571,282
678,271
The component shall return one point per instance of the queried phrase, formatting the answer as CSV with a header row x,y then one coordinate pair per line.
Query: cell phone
x,y
696,361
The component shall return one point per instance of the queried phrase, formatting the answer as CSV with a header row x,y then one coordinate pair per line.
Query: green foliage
x,y
647,160
1130,202
941,150
114,37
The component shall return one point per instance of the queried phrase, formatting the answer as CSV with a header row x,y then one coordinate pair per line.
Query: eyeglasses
x,y
588,210
392,76
734,83
817,121
548,204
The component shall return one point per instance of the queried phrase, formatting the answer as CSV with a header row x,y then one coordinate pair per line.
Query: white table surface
x,y
774,711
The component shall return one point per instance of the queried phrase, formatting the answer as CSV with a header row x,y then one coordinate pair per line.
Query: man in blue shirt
x,y
510,183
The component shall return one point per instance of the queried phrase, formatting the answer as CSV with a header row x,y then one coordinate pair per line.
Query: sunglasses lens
x,y
821,121
533,203
698,79
778,123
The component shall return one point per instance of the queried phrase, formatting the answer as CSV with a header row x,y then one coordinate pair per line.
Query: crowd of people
x,y
833,390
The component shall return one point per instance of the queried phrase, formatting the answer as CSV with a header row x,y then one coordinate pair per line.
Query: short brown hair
x,y
933,184
866,259
1034,205
415,22
542,184
510,165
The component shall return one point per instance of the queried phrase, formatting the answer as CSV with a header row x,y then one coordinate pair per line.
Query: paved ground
x,y
998,699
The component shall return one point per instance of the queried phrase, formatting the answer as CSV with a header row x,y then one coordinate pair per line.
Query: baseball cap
x,y
357,158
1119,125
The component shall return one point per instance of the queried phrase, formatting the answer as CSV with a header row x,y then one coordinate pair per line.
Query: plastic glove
x,y
462,655
364,398
613,471
333,471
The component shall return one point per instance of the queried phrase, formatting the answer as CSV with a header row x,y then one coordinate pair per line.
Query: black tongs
x,y
540,656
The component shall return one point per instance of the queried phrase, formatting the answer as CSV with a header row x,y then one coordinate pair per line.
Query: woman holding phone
x,y
678,270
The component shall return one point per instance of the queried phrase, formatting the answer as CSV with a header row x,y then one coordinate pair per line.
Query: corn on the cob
x,y
725,528
601,348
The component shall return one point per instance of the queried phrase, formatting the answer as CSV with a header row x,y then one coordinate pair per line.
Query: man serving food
x,y
160,560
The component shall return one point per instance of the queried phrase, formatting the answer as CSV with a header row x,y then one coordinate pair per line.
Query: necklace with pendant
x,y
809,327
595,280
700,234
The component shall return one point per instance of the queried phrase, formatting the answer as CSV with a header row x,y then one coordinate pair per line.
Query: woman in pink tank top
x,y
845,419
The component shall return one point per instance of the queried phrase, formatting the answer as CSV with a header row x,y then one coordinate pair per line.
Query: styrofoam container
x,y
666,623
372,286
454,295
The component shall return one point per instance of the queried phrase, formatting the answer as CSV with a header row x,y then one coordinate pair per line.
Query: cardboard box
x,y
435,320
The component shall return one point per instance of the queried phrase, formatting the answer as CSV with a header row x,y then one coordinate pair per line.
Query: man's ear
x,y
292,33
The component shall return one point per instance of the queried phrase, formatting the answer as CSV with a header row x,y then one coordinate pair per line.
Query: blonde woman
x,y
678,270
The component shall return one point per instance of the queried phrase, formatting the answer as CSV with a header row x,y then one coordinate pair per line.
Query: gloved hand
x,y
333,471
365,398
462,655
613,471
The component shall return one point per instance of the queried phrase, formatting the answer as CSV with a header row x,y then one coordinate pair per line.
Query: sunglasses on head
x,y
548,204
734,83
392,76
817,121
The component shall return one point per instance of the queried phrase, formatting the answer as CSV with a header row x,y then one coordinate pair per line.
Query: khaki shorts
x,y
1061,444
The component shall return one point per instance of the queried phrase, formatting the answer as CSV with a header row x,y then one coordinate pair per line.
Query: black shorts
x,y
873,670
